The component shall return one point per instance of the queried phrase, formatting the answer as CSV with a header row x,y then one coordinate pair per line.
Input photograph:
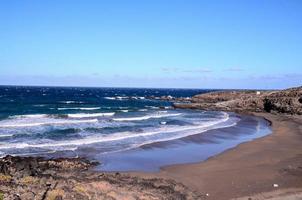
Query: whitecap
x,y
121,98
86,115
146,117
80,108
29,116
109,98
15,124
152,107
70,102
165,133
6,135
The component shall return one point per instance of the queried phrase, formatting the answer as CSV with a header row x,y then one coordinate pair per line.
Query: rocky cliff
x,y
287,101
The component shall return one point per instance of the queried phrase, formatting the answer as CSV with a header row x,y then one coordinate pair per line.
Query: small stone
x,y
27,195
17,197
207,194
59,197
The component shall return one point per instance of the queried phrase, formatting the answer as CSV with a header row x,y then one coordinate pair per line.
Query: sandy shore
x,y
251,169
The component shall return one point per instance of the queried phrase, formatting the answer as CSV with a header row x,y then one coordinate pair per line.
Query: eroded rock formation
x,y
30,178
287,101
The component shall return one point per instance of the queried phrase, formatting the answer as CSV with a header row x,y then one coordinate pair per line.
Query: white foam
x,y
152,107
116,98
80,108
30,116
121,97
163,111
87,115
192,132
6,135
70,102
121,107
124,110
146,117
48,122
109,98
170,133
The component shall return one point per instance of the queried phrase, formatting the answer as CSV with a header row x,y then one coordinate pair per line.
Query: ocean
x,y
99,122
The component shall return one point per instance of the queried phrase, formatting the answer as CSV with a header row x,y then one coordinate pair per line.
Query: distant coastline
x,y
277,101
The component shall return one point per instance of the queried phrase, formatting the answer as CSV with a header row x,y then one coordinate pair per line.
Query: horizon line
x,y
100,87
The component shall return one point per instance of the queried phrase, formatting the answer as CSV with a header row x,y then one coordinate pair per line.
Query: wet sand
x,y
250,169
190,149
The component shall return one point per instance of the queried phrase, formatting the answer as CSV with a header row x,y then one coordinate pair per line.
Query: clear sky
x,y
151,43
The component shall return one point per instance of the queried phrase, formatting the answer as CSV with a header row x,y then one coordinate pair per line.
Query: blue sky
x,y
152,43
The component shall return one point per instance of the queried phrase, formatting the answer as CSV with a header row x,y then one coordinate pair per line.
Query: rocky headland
x,y
287,101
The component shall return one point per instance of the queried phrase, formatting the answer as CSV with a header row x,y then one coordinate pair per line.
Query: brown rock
x,y
284,101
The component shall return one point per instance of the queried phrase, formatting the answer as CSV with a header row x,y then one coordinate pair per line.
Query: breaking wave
x,y
87,115
76,108
130,138
146,117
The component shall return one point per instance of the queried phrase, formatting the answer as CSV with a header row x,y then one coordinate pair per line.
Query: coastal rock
x,y
34,166
69,179
287,101
170,98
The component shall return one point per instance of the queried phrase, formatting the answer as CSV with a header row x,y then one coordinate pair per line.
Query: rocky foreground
x,y
69,178
287,101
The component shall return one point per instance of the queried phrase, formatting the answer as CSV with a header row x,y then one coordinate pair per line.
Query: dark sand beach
x,y
251,168
265,168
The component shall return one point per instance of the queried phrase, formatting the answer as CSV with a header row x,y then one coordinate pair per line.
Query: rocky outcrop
x,y
287,101
37,166
30,178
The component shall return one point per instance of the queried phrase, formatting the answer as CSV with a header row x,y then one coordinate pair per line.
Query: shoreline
x,y
248,170
210,142
251,168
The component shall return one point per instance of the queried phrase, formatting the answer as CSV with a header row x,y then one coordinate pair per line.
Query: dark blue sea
x,y
99,122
